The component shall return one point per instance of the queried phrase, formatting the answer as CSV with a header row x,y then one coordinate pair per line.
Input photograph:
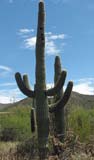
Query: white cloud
x,y
4,99
48,33
8,96
50,85
5,71
25,31
30,42
5,68
52,36
51,46
59,36
9,99
84,86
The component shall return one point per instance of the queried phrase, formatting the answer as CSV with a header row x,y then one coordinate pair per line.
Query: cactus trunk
x,y
41,98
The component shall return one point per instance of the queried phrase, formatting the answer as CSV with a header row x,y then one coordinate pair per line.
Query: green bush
x,y
18,121
81,121
17,124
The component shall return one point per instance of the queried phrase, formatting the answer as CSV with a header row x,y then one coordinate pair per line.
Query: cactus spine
x,y
40,94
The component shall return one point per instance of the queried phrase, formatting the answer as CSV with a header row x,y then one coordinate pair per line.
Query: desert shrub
x,y
18,122
81,121
28,147
8,134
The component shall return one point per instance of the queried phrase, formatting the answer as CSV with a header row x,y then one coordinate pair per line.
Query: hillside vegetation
x,y
15,129
15,118
15,123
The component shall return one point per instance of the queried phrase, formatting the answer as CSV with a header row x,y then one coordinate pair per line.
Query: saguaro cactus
x,y
59,114
40,94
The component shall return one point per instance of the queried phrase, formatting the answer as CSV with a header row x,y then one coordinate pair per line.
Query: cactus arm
x,y
32,113
26,81
61,103
22,86
58,86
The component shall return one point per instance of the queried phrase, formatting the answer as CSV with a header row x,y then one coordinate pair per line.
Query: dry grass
x,y
6,113
71,149
6,149
6,146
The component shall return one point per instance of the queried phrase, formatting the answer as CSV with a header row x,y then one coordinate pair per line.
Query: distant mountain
x,y
76,99
23,102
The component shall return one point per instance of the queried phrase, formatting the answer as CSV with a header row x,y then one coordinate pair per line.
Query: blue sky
x,y
69,33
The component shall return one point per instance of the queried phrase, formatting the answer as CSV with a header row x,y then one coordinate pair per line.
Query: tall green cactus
x,y
59,115
40,93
